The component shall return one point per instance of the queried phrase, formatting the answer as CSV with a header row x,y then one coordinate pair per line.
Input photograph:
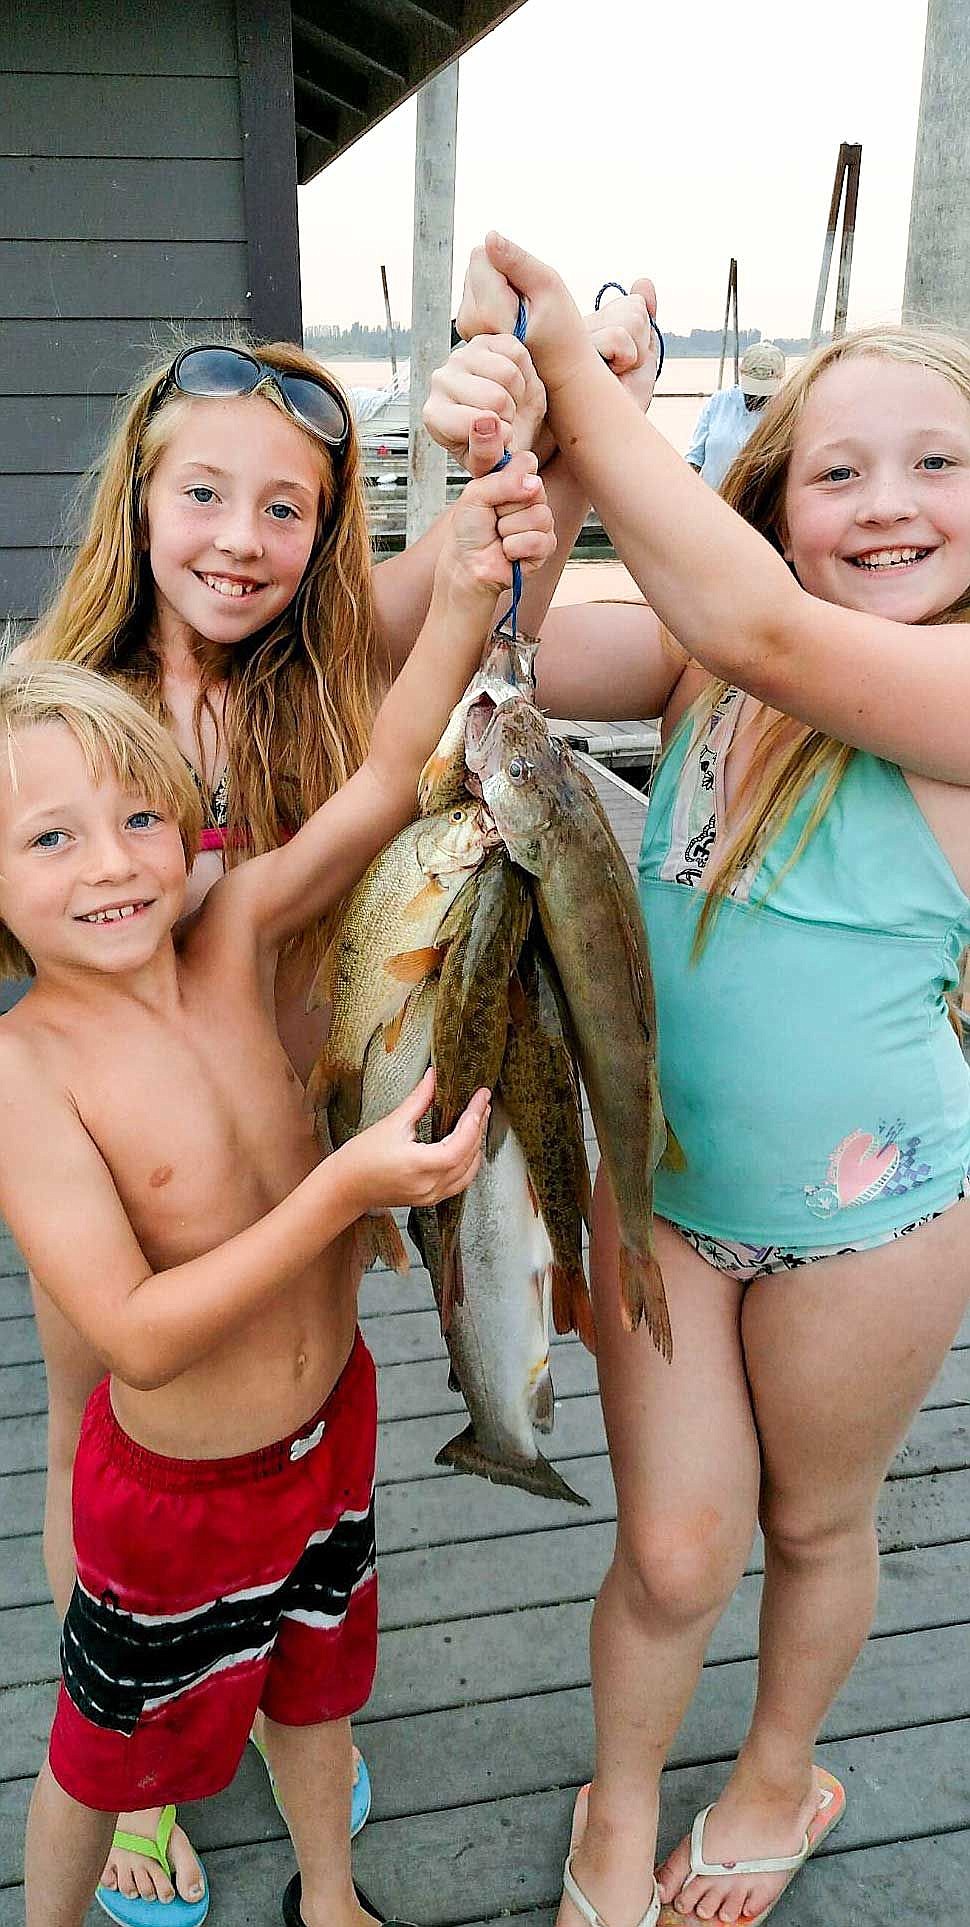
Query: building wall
x,y
122,225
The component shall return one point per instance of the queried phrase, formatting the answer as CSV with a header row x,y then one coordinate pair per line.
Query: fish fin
x,y
543,1404
426,899
418,1232
642,1296
321,989
464,1454
454,1382
673,1157
378,1237
391,1034
571,1307
452,1275
412,966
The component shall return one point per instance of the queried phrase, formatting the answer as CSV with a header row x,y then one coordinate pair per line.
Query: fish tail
x,y
378,1237
465,1454
571,1307
642,1296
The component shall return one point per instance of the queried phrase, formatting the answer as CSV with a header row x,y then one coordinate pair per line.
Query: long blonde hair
x,y
791,756
112,731
300,693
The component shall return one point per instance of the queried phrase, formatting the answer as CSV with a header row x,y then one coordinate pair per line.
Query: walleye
x,y
553,826
385,946
498,1336
539,1085
507,671
482,937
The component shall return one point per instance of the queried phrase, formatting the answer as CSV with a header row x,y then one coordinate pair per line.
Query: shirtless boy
x,y
158,1170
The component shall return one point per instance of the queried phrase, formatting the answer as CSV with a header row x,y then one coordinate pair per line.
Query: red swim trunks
x,y
208,1588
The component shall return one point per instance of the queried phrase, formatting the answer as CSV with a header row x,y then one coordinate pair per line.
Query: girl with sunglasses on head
x,y
225,580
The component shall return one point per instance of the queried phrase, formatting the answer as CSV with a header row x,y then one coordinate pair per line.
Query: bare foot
x,y
746,1823
613,1869
137,1877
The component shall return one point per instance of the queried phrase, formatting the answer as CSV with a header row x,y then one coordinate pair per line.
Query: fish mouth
x,y
478,724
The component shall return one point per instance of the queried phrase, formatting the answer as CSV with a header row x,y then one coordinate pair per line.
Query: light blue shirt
x,y
723,427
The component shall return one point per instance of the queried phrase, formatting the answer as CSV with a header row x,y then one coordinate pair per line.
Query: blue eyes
x,y
930,464
139,820
205,497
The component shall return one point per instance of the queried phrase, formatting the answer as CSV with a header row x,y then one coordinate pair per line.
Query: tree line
x,y
364,342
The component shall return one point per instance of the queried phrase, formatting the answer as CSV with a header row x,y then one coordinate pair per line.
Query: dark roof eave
x,y
354,61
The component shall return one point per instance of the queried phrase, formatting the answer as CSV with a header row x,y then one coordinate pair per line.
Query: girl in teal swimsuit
x,y
805,881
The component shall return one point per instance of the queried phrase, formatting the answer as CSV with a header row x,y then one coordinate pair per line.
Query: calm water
x,y
673,416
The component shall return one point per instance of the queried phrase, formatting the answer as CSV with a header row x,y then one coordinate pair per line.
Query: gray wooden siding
x,y
122,233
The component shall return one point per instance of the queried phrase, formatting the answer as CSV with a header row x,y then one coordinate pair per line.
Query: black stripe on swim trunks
x,y
115,1663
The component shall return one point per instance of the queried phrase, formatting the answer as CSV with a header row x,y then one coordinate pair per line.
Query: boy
x,y
158,1170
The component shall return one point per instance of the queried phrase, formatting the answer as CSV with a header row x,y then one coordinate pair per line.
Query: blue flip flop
x,y
152,1913
360,1796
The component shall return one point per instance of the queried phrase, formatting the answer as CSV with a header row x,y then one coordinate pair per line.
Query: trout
x,y
553,826
498,1336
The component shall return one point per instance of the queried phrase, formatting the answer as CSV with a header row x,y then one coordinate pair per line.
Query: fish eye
x,y
458,816
518,770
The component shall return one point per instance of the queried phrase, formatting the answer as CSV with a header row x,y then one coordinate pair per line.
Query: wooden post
x,y
937,285
732,295
434,224
390,324
266,104
847,170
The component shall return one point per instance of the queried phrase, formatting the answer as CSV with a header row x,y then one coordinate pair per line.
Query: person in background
x,y
729,417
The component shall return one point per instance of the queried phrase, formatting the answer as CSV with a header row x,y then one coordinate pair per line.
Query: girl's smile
x,y
878,497
233,507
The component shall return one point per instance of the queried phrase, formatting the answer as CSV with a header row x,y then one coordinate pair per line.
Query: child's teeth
x,y
889,558
224,587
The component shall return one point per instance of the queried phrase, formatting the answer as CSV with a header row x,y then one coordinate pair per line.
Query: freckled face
x,y
878,497
92,876
232,515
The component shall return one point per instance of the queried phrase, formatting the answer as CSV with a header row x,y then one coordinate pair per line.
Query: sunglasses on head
x,y
209,373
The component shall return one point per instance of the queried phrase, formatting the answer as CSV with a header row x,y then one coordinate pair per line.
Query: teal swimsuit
x,y
807,1065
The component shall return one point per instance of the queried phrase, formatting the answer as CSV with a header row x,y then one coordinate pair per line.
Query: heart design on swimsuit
x,y
859,1168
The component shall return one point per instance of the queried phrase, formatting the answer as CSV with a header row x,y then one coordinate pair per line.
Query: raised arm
x,y
719,587
501,519
149,1326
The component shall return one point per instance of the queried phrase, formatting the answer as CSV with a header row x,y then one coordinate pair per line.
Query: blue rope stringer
x,y
510,619
620,289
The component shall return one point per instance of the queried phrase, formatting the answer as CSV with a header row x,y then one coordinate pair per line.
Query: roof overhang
x,y
356,60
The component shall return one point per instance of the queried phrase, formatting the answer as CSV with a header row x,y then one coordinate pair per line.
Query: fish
x,y
540,1088
481,939
554,827
498,1335
508,670
386,945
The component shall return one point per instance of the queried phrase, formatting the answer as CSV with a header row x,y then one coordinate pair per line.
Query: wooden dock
x,y
479,1730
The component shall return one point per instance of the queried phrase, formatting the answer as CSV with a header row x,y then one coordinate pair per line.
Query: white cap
x,y
761,370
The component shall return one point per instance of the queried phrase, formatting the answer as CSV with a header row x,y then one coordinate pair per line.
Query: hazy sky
x,y
622,137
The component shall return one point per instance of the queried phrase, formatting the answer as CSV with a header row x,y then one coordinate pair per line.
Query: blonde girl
x,y
805,881
224,578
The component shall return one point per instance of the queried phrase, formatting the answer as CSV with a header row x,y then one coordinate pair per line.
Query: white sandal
x,y
831,1807
588,1911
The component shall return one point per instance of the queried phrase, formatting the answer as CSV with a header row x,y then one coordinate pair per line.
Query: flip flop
x,y
360,1794
292,1916
830,1809
574,1892
136,1912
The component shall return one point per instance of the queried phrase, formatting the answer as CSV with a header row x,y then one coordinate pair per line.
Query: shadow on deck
x,y
479,1729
